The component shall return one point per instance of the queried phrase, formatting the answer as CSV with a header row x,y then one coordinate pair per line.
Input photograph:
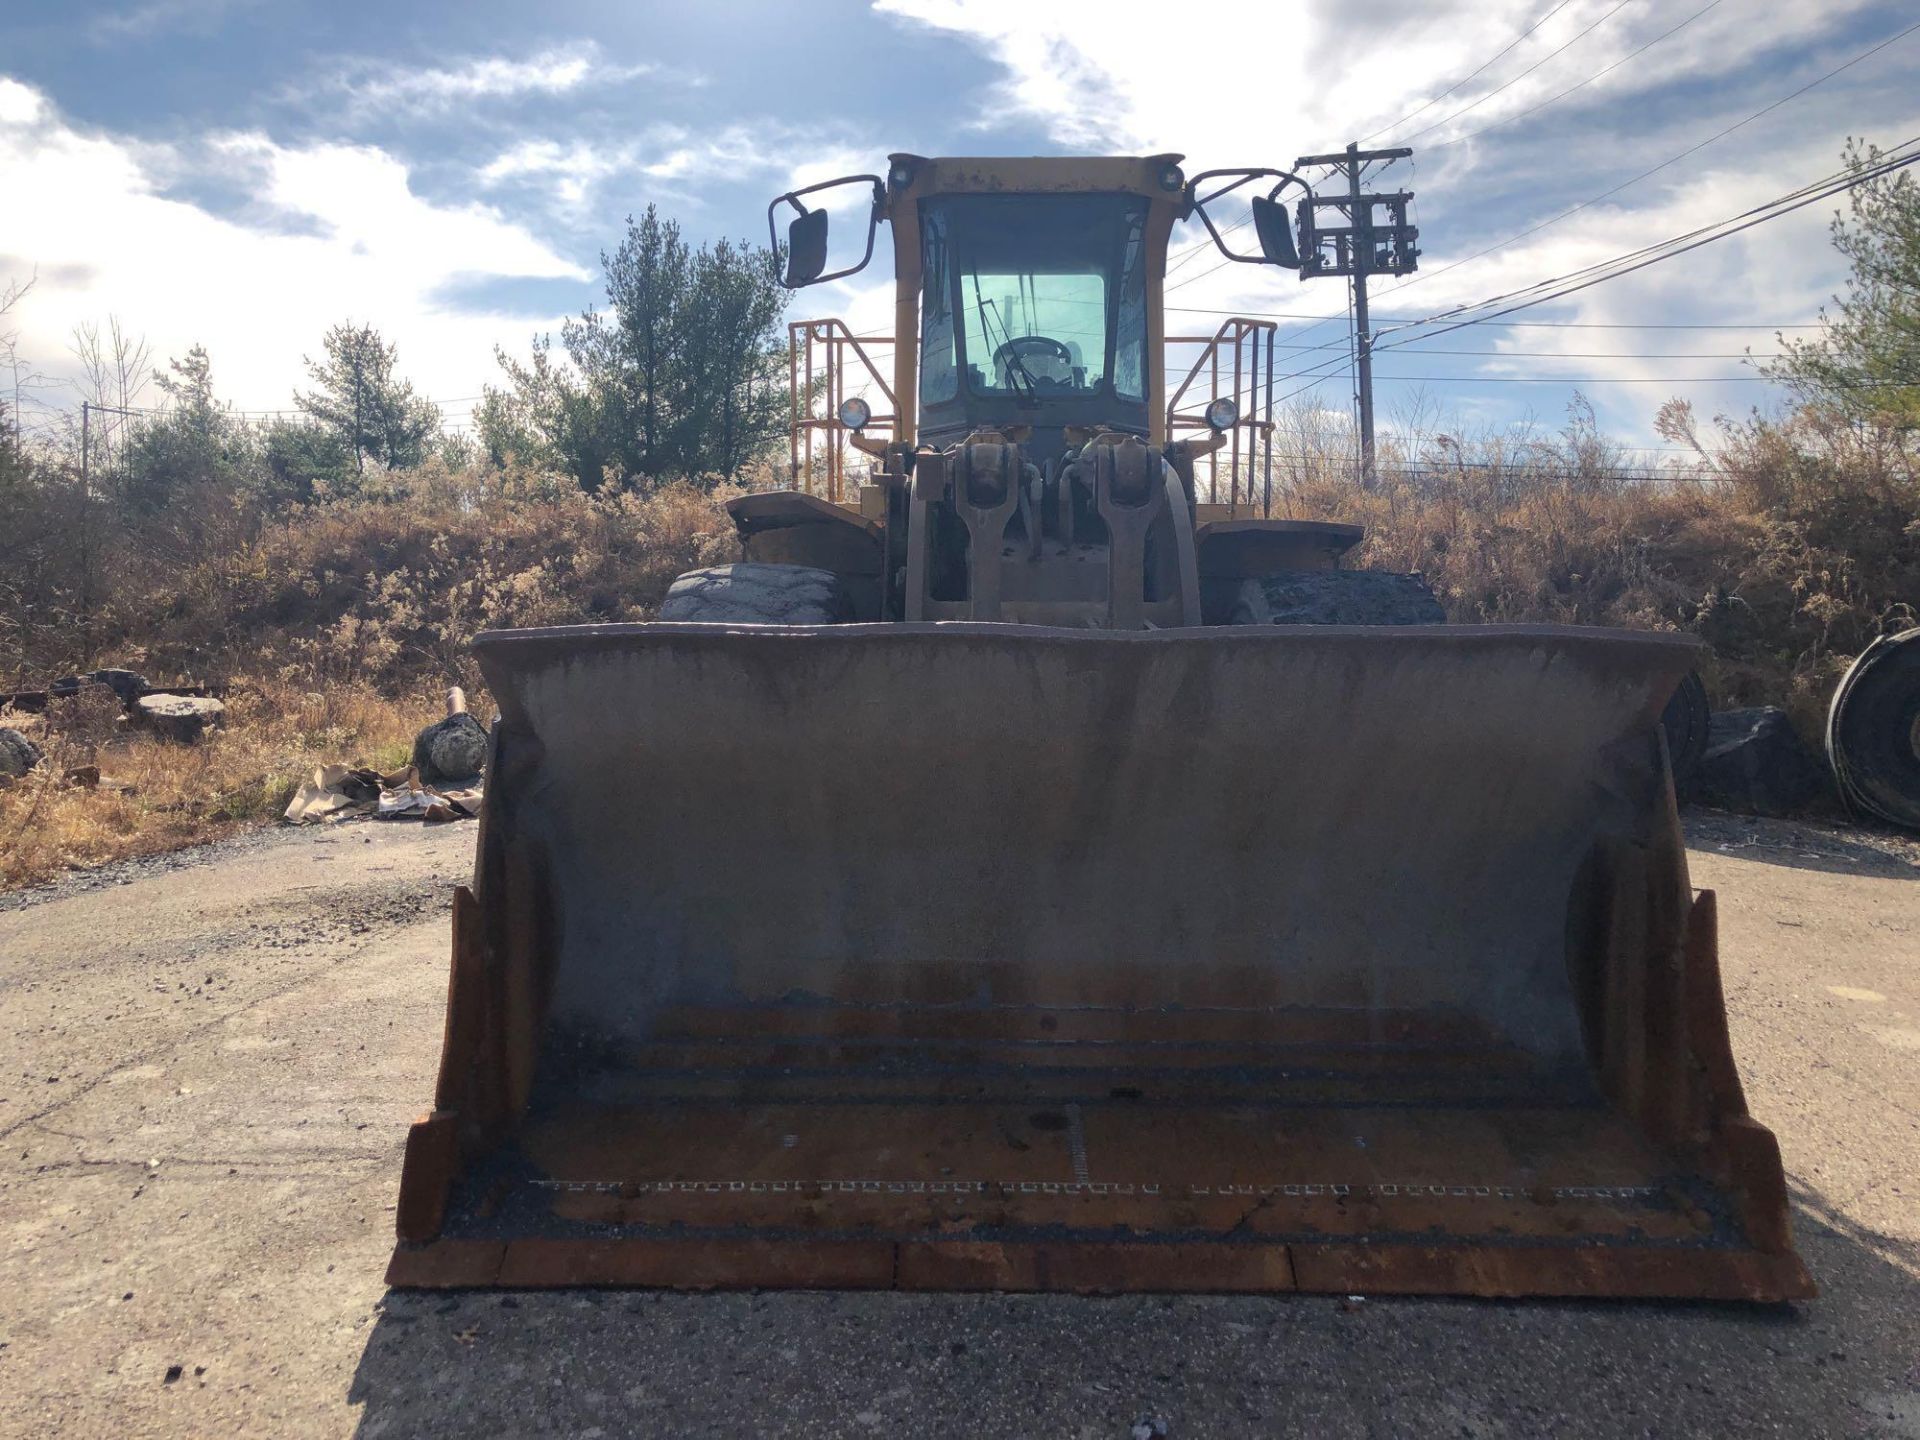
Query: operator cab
x,y
1033,312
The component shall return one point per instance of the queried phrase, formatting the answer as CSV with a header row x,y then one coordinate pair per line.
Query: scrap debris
x,y
445,787
340,792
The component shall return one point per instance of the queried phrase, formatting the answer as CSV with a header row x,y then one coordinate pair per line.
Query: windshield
x,y
1034,296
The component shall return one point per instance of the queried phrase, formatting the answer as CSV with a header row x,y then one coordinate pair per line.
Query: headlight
x,y
1222,414
855,413
1171,180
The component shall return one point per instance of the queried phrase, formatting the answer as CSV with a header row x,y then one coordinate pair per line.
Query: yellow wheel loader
x,y
1022,873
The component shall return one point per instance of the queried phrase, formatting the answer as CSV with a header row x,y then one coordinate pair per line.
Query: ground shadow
x,y
1833,846
818,1364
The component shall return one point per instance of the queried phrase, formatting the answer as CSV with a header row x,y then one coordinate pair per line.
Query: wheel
x,y
1336,597
755,594
1873,730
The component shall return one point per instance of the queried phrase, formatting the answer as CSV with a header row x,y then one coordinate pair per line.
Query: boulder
x,y
451,749
18,754
181,718
1757,764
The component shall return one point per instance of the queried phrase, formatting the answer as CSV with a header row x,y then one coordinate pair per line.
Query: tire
x,y
754,594
1873,731
1686,720
1336,597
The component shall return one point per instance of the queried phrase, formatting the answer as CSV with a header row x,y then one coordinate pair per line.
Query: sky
x,y
242,174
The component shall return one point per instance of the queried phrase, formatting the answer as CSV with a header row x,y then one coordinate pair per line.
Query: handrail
x,y
1249,443
1243,348
817,363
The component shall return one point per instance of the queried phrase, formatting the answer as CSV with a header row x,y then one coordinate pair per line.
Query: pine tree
x,y
1866,360
683,374
360,399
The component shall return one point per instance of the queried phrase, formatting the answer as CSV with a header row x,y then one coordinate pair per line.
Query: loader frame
x,y
1057,923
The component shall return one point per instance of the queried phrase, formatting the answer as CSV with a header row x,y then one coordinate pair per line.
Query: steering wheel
x,y
1021,345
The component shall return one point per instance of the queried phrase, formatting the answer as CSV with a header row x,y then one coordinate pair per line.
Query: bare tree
x,y
14,292
114,372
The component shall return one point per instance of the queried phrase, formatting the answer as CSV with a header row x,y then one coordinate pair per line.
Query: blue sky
x,y
242,173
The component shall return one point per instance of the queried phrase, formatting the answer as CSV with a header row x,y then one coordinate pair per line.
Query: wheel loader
x,y
1023,873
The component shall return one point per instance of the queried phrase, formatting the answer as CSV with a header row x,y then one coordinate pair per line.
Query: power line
x,y
294,410
1588,275
1590,354
1609,193
1476,104
1655,170
1202,246
1527,324
1534,110
1603,380
1476,74
1559,287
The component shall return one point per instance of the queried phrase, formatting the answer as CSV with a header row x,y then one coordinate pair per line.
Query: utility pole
x,y
86,534
1362,246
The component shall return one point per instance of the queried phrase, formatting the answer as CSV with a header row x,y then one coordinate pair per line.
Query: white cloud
x,y
569,173
1327,71
384,89
680,165
88,210
18,104
161,15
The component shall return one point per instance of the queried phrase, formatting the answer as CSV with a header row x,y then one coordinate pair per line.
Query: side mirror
x,y
806,248
1275,228
1271,223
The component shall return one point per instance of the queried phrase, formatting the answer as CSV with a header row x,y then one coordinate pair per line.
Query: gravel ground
x,y
211,1059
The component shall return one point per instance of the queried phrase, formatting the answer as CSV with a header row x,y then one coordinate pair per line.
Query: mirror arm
x,y
792,197
1196,205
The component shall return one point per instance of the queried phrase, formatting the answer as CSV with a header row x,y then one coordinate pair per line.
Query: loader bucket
x,y
973,956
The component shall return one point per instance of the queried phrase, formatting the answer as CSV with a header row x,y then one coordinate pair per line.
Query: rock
x,y
182,718
1756,764
1337,597
18,754
451,749
82,777
128,685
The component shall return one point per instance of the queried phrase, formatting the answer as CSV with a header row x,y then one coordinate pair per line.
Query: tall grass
x,y
338,627
152,796
1788,546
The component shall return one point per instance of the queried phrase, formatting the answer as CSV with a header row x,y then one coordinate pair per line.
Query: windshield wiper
x,y
1029,386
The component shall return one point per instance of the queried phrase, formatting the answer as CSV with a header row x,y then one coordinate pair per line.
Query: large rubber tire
x,y
1873,731
755,594
1336,597
1686,720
